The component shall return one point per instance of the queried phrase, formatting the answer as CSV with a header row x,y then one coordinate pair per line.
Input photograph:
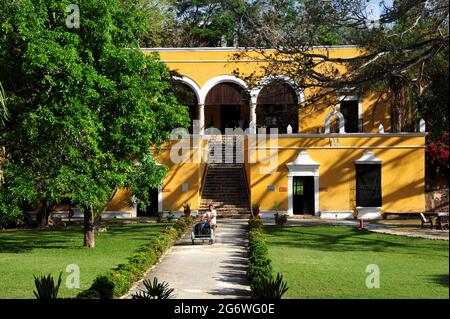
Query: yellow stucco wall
x,y
403,171
403,156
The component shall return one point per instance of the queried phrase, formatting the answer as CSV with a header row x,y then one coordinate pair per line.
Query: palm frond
x,y
154,290
45,287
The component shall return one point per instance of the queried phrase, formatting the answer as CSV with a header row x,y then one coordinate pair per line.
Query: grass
x,y
330,262
24,253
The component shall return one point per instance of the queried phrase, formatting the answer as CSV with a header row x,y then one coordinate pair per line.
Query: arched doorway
x,y
227,106
277,107
186,96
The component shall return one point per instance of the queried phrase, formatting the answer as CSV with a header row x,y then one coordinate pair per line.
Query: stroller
x,y
203,231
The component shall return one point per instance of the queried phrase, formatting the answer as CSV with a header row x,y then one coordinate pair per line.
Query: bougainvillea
x,y
437,154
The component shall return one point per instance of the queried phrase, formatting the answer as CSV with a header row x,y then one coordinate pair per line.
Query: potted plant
x,y
187,210
255,210
280,218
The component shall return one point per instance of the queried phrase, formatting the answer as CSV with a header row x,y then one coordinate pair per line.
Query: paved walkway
x,y
406,228
204,271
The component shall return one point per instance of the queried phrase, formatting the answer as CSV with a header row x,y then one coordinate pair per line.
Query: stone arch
x,y
341,120
191,83
217,80
278,78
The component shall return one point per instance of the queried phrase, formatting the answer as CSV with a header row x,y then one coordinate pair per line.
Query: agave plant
x,y
270,288
46,287
154,290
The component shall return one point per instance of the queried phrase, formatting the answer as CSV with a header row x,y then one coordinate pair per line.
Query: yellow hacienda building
x,y
333,161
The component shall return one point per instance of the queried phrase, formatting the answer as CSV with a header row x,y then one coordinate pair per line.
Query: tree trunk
x,y
396,119
89,240
42,213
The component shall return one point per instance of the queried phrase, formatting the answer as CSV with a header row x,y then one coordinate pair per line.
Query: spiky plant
x,y
270,288
46,287
154,290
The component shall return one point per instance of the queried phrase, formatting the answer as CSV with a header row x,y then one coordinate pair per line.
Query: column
x,y
201,117
253,115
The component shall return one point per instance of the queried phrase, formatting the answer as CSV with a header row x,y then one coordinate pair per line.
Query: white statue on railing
x,y
289,129
422,126
341,121
381,129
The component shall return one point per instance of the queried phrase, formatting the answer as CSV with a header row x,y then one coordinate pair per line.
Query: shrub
x,y
89,294
119,280
254,224
187,209
280,219
270,288
259,263
46,287
154,290
159,217
170,217
103,287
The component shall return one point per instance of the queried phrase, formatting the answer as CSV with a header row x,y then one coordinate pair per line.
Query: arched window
x,y
227,106
186,96
277,107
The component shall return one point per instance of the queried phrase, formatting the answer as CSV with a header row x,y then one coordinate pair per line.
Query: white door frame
x,y
303,166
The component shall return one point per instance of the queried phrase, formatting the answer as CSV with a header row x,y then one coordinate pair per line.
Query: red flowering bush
x,y
437,154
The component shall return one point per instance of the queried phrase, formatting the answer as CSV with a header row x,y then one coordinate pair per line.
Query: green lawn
x,y
27,252
330,262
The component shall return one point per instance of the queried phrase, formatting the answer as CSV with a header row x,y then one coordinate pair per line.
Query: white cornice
x,y
234,49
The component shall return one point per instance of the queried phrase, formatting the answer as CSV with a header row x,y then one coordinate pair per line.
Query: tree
x,y
3,118
85,105
397,46
207,22
161,17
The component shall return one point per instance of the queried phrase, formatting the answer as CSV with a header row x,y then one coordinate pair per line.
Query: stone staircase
x,y
225,184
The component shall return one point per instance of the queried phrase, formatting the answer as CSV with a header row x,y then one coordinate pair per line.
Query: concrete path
x,y
204,271
397,228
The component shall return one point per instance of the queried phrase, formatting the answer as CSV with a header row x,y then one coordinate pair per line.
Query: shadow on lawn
x,y
439,279
22,241
345,239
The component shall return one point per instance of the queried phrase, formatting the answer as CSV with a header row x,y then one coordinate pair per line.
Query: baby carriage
x,y
203,231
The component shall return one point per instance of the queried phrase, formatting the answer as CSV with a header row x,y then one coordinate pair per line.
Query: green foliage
x,y
170,216
103,286
280,219
270,288
85,105
204,22
159,217
259,263
255,224
154,290
46,287
119,281
89,294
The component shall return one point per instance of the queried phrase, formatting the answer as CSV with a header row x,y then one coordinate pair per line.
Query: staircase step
x,y
225,186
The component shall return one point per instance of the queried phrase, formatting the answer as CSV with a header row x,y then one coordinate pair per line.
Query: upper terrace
x,y
217,98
